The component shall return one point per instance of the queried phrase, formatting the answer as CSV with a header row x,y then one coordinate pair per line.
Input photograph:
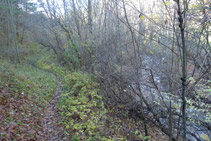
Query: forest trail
x,y
52,129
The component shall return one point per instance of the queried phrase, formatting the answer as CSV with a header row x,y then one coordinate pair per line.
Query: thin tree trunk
x,y
184,69
119,38
12,24
76,18
23,31
90,16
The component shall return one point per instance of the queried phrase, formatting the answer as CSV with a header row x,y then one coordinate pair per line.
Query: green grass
x,y
25,78
25,92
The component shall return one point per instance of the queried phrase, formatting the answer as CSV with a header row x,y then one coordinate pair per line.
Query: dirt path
x,y
52,130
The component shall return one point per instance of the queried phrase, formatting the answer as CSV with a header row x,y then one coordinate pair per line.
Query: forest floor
x,y
31,109
25,93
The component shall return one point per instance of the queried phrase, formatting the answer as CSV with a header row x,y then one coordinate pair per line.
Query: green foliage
x,y
72,55
29,52
47,63
205,137
42,59
191,79
140,136
81,106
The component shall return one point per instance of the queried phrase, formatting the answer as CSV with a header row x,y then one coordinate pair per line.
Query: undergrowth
x,y
26,90
81,107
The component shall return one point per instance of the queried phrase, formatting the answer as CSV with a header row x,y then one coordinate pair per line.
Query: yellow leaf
x,y
205,137
142,17
121,106
67,126
167,3
68,114
151,52
176,106
145,42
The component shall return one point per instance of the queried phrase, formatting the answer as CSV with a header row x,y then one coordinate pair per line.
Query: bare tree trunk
x,y
184,68
90,16
23,31
49,9
138,63
8,35
119,36
12,24
76,18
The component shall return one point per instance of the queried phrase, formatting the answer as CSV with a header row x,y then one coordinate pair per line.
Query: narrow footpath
x,y
52,129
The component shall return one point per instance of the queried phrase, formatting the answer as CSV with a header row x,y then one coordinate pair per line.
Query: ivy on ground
x,y
81,107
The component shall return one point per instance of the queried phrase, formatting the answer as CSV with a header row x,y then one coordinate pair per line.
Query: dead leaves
x,y
18,118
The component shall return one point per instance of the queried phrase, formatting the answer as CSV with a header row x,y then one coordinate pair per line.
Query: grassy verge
x,y
24,93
